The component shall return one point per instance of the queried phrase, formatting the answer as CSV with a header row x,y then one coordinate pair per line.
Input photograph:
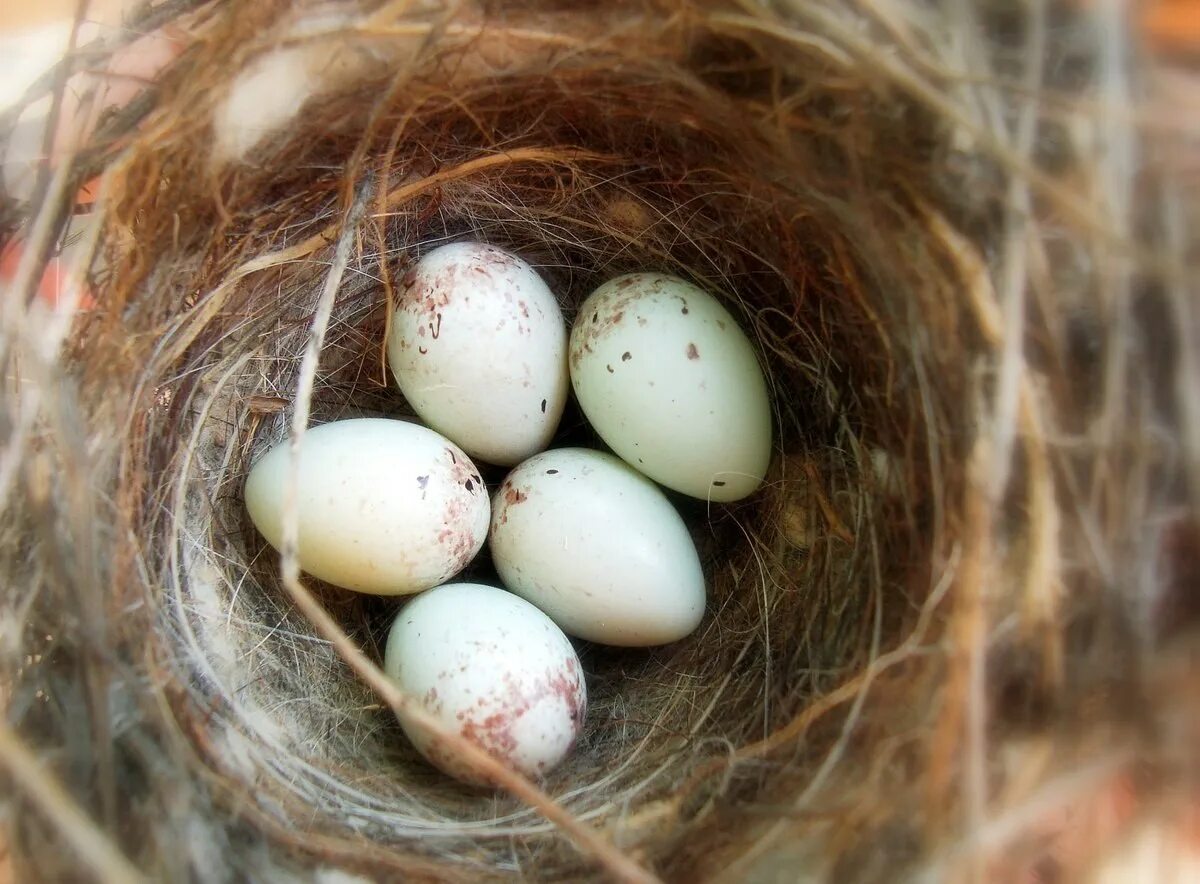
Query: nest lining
x,y
656,716
851,601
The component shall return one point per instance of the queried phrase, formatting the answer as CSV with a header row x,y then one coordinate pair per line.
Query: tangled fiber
x,y
962,606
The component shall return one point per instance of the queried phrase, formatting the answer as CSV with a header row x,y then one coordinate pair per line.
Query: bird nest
x,y
953,607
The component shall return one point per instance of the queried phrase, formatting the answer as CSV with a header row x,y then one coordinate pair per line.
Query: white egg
x,y
478,347
493,668
598,547
672,385
384,507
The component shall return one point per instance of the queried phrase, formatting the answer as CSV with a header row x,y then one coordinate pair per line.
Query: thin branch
x,y
587,839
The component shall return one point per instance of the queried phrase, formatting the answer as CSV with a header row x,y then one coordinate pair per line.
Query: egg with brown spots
x,y
598,547
383,507
478,348
494,669
672,384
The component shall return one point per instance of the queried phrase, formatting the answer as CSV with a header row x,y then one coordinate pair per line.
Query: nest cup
x,y
909,529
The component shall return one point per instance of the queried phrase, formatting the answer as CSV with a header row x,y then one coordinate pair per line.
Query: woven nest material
x,y
957,606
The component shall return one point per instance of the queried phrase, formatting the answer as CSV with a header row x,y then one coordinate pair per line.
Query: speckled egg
x,y
598,547
492,667
384,507
673,385
478,347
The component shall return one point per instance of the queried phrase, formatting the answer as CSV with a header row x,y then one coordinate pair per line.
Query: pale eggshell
x,y
478,347
384,507
598,547
673,386
493,668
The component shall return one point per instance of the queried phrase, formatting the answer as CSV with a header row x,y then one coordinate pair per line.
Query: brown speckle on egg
x,y
431,701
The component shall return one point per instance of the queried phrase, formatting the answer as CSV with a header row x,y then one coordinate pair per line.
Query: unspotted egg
x,y
671,383
598,547
478,347
383,506
493,668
